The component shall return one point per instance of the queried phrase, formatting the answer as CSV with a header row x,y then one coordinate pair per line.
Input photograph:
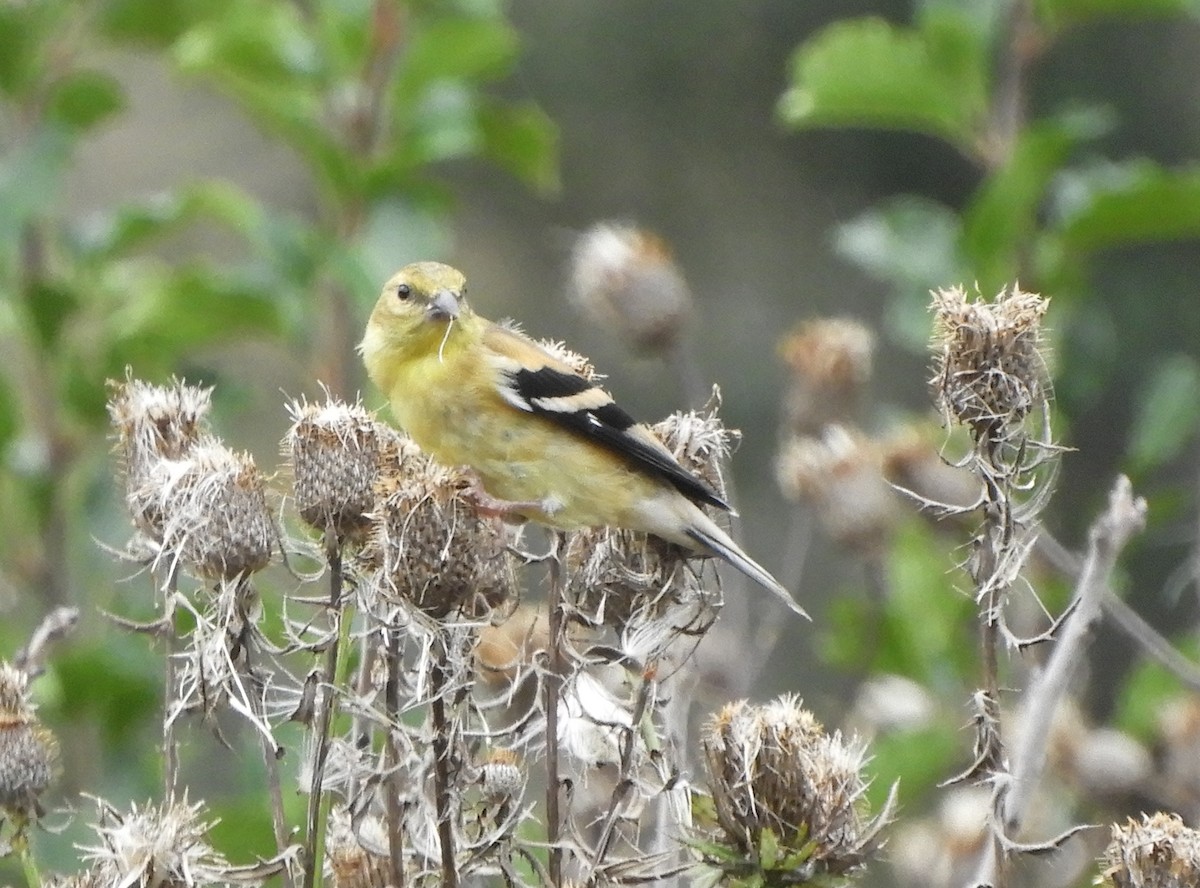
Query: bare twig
x,y
442,788
1124,517
553,688
55,625
395,810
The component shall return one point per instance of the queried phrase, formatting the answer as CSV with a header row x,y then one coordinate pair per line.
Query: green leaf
x,y
444,125
918,631
265,44
918,758
134,225
868,72
455,48
49,307
1168,414
170,314
1057,14
10,415
155,23
913,244
84,98
1001,220
524,141
1147,693
20,41
1116,205
768,849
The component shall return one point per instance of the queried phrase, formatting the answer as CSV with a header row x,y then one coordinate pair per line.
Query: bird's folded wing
x,y
532,380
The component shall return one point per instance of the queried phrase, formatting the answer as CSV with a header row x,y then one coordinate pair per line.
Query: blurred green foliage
x,y
1044,209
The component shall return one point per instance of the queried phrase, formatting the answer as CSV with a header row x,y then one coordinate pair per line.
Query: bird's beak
x,y
443,306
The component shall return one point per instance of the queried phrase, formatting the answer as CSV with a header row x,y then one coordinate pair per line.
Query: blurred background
x,y
219,195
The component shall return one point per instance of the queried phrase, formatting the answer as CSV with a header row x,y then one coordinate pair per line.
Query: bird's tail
x,y
719,543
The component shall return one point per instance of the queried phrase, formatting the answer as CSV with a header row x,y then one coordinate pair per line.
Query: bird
x,y
546,443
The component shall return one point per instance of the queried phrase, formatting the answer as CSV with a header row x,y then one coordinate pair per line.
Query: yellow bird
x,y
551,445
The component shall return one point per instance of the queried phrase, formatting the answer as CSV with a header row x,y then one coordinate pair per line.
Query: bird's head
x,y
417,302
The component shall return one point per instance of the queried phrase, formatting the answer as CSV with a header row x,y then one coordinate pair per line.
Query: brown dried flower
x,y
428,544
841,473
613,573
625,278
28,751
154,423
1159,852
356,860
501,774
335,451
989,370
830,360
774,769
160,847
215,514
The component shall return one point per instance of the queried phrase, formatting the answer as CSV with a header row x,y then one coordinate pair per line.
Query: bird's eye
x,y
404,291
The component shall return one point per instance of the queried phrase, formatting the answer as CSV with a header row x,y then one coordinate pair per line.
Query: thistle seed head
x,y
830,364
163,847
154,423
428,544
348,859
841,473
1159,852
774,768
335,450
501,774
614,573
625,278
215,514
28,751
989,369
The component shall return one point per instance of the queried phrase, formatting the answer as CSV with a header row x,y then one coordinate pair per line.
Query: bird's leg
x,y
490,506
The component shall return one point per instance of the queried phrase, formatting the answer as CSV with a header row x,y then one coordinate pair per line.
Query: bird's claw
x,y
489,506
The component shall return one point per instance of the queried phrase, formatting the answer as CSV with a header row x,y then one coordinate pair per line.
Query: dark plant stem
x,y
553,690
442,764
316,822
270,752
395,810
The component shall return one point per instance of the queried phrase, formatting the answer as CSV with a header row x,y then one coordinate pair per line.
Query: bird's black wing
x,y
534,381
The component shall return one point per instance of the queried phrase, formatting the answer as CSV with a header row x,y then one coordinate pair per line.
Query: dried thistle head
x,y
989,369
501,775
830,364
429,546
1159,852
154,423
625,278
164,847
614,573
356,859
774,769
841,474
215,513
28,751
335,450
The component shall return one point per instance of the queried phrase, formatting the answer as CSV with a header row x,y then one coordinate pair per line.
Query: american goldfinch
x,y
547,442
